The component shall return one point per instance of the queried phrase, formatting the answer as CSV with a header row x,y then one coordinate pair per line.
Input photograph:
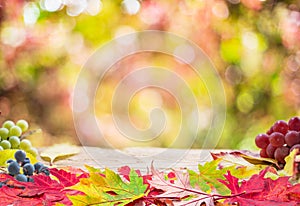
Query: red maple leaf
x,y
52,190
8,196
44,181
43,191
11,193
66,179
261,191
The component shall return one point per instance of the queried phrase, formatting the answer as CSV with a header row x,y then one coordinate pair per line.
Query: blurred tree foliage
x,y
254,45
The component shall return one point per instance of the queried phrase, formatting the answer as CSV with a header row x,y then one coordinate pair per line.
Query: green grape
x,y
14,141
23,124
8,124
15,131
5,144
1,148
25,144
4,133
33,151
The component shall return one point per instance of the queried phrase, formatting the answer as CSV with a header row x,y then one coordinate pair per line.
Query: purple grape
x,y
30,179
26,160
28,169
9,161
20,156
44,170
21,178
13,168
38,166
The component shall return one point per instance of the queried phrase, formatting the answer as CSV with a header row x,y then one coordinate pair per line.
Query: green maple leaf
x,y
208,176
108,189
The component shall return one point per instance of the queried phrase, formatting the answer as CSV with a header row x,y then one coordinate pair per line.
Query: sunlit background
x,y
254,45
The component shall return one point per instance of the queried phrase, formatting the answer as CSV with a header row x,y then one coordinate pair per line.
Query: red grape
x,y
276,139
280,153
292,138
263,153
262,141
294,124
270,151
296,146
281,126
270,131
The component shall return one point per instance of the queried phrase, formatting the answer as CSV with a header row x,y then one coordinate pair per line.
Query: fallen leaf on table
x,y
246,158
58,152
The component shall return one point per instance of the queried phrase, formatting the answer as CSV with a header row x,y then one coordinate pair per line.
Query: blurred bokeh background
x,y
254,45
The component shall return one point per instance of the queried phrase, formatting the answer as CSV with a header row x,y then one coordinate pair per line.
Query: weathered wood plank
x,y
138,158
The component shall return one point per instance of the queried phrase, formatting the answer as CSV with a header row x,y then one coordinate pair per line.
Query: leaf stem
x,y
30,133
219,197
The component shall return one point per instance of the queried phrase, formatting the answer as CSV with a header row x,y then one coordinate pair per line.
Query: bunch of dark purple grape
x,y
280,140
14,167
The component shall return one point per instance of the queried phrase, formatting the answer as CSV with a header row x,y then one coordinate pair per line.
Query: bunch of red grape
x,y
280,139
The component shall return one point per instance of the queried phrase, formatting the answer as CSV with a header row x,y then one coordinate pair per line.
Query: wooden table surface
x,y
138,158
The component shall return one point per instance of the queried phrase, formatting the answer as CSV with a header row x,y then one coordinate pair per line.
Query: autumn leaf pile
x,y
230,179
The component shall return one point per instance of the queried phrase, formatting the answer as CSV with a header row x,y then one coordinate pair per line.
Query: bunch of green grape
x,y
11,136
